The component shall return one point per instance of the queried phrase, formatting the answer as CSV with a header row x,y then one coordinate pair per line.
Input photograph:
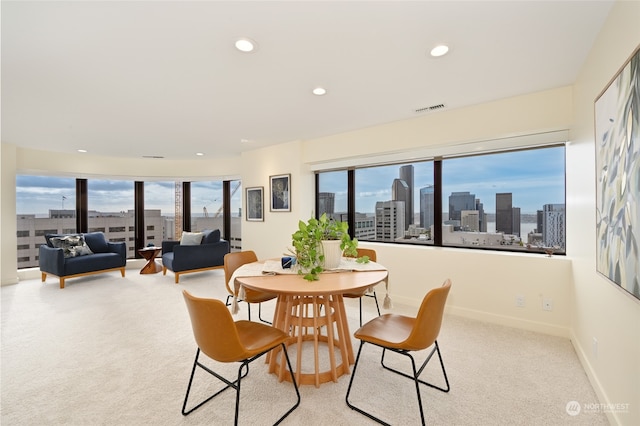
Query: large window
x,y
47,205
207,208
332,194
159,211
43,203
111,210
505,201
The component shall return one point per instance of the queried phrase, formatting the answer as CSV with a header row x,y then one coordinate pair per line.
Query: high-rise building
x,y
326,203
504,212
459,201
389,220
515,226
553,225
539,220
470,220
426,206
400,192
406,174
482,218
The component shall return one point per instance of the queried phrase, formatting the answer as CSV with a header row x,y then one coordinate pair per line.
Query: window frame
x,y
438,190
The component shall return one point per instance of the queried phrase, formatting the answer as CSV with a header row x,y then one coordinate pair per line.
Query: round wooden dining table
x,y
313,312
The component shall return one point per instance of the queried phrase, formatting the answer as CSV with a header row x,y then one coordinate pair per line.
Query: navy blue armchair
x,y
75,255
182,258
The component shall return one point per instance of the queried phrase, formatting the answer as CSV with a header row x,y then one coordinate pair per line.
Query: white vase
x,y
332,253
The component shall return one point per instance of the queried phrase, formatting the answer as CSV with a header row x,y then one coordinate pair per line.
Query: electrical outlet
x,y
520,301
594,348
547,304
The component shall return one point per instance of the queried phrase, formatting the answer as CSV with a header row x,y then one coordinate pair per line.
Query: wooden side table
x,y
150,254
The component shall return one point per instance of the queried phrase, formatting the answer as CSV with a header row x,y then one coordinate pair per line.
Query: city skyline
x,y
534,177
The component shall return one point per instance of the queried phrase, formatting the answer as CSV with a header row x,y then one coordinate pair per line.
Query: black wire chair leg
x,y
353,375
260,315
295,386
376,299
436,349
229,384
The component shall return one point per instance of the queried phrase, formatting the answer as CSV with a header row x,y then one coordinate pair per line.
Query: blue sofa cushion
x,y
97,242
95,262
210,237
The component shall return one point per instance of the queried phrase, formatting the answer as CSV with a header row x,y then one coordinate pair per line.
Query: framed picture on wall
x,y
280,193
255,203
617,140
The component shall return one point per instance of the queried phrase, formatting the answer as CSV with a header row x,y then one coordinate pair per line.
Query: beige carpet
x,y
108,350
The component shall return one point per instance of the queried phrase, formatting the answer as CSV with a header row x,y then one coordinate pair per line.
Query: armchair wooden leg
x,y
177,277
122,272
61,282
164,270
44,276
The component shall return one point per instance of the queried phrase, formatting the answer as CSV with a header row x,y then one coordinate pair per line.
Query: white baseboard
x,y
593,379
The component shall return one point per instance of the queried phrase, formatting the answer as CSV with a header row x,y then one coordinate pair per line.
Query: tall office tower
x,y
406,174
482,225
553,225
504,213
516,221
389,220
470,220
426,206
539,216
326,203
400,192
459,201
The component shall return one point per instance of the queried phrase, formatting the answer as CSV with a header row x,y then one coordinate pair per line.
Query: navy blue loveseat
x,y
74,255
183,258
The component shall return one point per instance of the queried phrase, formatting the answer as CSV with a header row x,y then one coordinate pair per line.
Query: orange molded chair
x,y
372,257
402,335
233,261
223,340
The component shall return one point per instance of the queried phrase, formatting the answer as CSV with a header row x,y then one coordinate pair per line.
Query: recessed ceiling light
x,y
246,45
82,150
439,50
199,154
245,140
319,91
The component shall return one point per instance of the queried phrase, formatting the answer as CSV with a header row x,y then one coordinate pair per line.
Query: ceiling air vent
x,y
430,108
152,156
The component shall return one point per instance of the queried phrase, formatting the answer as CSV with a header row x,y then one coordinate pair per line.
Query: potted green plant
x,y
311,254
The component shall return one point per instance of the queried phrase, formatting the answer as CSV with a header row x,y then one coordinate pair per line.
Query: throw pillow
x,y
211,237
71,245
191,238
97,242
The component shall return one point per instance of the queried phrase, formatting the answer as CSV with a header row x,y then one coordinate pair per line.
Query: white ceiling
x,y
135,79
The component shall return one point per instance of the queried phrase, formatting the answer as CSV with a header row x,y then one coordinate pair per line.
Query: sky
x,y
534,177
38,194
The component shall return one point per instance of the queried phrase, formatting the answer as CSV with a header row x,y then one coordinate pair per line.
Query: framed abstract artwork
x,y
280,193
617,140
255,204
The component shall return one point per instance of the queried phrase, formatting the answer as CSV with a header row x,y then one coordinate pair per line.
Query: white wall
x,y
602,310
